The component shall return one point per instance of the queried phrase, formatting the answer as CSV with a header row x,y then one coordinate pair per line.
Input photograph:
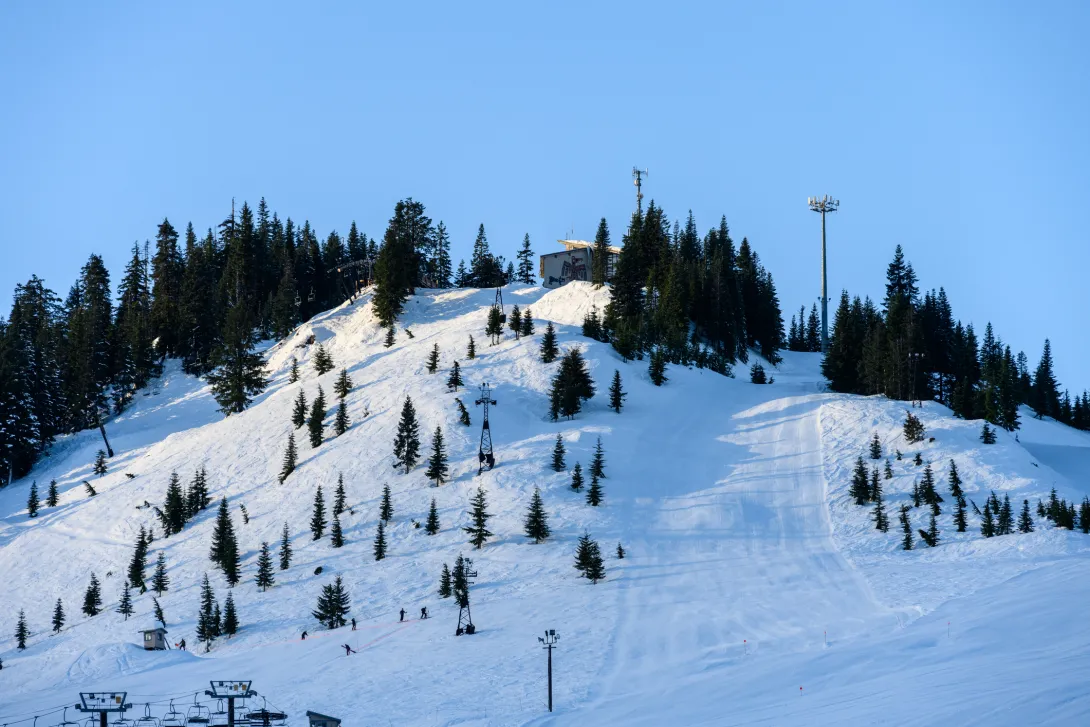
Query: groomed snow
x,y
749,572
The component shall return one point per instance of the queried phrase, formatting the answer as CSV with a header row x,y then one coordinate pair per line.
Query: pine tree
x,y
160,581
197,498
459,584
343,384
917,498
599,267
536,525
437,463
432,364
525,256
285,548
582,553
316,420
478,531
379,548
881,519
888,471
224,550
913,428
987,523
333,605
928,493
139,560
230,617
32,500
124,605
571,386
527,323
299,412
757,374
860,489
390,338
293,373
341,423
918,459
53,497
340,498
875,447
317,518
616,393
92,597
471,349
386,507
577,477
906,527
264,568
207,624
1084,515
656,368
175,509
217,621
100,463
1025,521
931,537
549,350
336,535
22,632
91,492
444,582
874,484
323,362
289,458
558,455
620,552
157,611
594,492
596,567
238,373
455,378
431,527
58,617
987,434
494,326
1005,523
407,441
598,462
463,413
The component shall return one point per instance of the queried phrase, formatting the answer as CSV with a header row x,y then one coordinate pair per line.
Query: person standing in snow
x,y
304,636
423,613
353,624
402,614
181,644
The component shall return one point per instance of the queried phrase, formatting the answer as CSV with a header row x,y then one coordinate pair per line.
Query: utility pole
x,y
639,175
823,205
549,643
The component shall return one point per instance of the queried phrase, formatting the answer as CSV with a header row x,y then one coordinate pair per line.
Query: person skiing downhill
x,y
423,613
348,649
402,614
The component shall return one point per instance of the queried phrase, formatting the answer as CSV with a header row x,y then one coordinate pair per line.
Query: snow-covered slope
x,y
749,572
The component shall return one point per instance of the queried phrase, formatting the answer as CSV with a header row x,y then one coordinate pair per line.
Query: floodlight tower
x,y
823,205
548,642
639,174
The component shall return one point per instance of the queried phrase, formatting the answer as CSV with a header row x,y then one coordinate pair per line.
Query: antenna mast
x,y
639,175
823,205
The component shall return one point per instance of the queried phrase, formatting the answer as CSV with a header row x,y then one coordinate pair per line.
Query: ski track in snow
x,y
749,572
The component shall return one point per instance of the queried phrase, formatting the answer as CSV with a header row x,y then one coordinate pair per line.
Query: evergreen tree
x,y
656,368
230,617
90,489
340,498
600,262
139,560
22,632
549,350
494,326
100,463
317,518
1025,520
1084,515
459,586
596,567
471,349
390,338
881,519
124,605
455,378
463,413
906,528
536,525
224,550
58,617
875,486
514,321
525,256
290,455
437,463
323,362
217,621
431,527
239,373
343,385
616,393
888,471
913,428
527,323
379,548
333,605
157,611
577,477
928,493
860,489
341,423
931,536
987,434
386,507
197,498
571,386
264,568
1045,396
959,498
620,552
875,447
444,583
916,496
757,374
407,441
207,623
175,508
441,266
594,492
293,373
432,364
558,452
32,500
53,497
402,259
92,597
987,523
285,548
917,459
478,531
336,534
316,420
598,462
160,581
582,553
299,412
1005,523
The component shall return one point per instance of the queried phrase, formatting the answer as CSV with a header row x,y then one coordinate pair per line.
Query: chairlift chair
x,y
147,720
219,718
65,722
121,721
172,718
310,296
198,714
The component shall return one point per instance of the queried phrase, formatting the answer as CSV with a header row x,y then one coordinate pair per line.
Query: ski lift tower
x,y
485,455
230,691
103,703
465,618
823,205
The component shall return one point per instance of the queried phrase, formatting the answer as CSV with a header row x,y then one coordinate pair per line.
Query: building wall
x,y
558,268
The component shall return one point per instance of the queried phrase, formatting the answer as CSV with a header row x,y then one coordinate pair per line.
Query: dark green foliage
x,y
316,420
100,463
437,462
207,623
913,428
471,349
455,378
124,604
299,412
323,362
598,274
343,384
285,548
407,441
571,386
917,459
875,486
22,632
549,350
959,498
888,473
157,611
388,341
1025,520
494,326
875,447
617,394
928,494
525,256
656,367
432,364
588,559
58,617
336,534
160,581
444,583
536,525
317,517
463,413
431,527
598,461
987,522
386,507
293,372
594,492
379,548
478,532
197,498
1084,515
860,489
139,560
224,550
558,455
230,617
527,323
290,455
239,373
757,374
1005,521
340,498
264,576
341,422
333,605
620,552
881,519
92,597
906,528
577,477
592,325
175,512
32,501
931,535
514,321
459,586
402,259
53,497
987,434
91,492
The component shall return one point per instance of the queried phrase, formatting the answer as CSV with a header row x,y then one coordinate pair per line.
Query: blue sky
x,y
958,130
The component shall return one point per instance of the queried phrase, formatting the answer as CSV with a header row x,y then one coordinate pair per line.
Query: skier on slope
x,y
353,624
402,614
423,613
348,649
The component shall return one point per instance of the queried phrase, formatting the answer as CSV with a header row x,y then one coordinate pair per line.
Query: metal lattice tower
x,y
639,175
465,618
823,205
485,455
